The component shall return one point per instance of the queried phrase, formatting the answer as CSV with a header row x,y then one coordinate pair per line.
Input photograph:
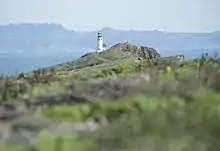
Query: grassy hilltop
x,y
126,98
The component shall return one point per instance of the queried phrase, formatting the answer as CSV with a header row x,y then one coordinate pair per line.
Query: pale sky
x,y
87,15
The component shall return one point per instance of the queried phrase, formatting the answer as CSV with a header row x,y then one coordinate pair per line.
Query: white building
x,y
100,43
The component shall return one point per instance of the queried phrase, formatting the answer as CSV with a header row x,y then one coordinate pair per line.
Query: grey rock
x,y
142,52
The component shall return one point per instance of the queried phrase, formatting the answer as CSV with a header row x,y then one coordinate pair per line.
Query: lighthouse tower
x,y
100,43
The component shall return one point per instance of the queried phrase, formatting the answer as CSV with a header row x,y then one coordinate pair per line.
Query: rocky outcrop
x,y
116,52
140,52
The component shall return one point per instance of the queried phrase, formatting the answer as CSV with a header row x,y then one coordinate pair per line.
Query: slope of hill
x,y
121,103
116,52
19,42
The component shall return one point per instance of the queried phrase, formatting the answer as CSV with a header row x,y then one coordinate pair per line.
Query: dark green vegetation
x,y
114,101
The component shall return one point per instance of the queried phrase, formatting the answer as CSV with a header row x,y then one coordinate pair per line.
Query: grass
x,y
46,80
176,110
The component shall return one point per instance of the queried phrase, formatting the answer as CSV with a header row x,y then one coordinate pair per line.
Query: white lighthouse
x,y
100,43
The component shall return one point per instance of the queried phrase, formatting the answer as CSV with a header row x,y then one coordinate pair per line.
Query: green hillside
x,y
124,99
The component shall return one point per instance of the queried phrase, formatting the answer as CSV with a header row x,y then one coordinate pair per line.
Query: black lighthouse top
x,y
99,34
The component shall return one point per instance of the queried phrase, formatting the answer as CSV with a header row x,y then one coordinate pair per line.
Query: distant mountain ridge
x,y
52,39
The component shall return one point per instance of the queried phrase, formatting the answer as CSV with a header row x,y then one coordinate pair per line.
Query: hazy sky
x,y
168,15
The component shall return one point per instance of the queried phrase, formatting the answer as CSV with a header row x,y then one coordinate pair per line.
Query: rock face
x,y
141,52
